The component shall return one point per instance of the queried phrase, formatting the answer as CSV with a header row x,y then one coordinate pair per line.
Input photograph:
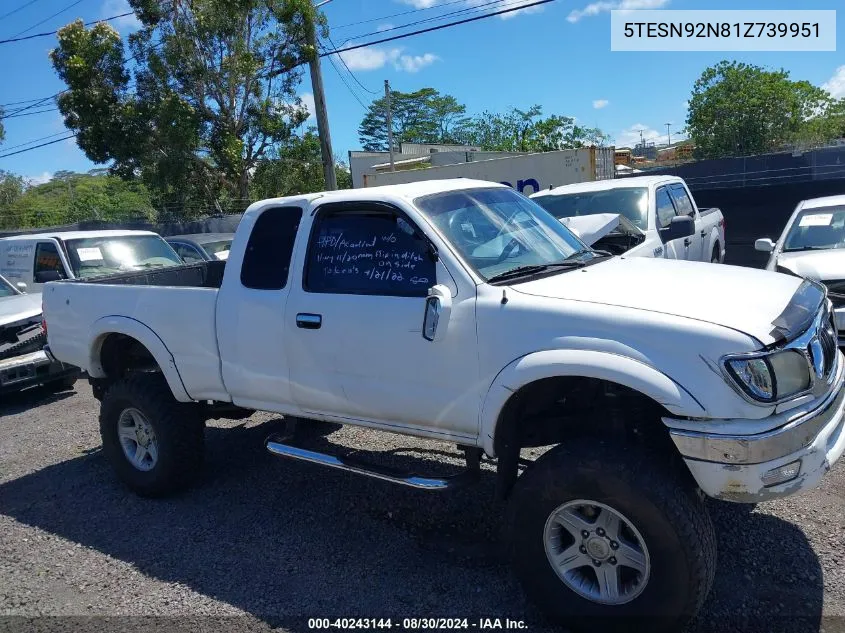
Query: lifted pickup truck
x,y
461,310
635,215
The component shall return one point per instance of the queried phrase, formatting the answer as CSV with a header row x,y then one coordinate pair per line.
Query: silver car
x,y
813,246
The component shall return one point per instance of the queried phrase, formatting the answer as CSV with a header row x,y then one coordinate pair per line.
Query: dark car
x,y
201,247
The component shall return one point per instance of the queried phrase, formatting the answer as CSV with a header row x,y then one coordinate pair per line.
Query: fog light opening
x,y
782,474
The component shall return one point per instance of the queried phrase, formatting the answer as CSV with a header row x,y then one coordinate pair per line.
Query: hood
x,y
815,265
758,303
591,228
19,307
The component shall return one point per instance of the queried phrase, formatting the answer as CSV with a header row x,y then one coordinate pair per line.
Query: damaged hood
x,y
591,228
815,265
19,307
768,306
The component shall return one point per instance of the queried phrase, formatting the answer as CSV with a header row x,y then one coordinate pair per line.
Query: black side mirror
x,y
43,276
680,226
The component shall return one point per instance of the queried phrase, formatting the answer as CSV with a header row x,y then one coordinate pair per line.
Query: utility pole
x,y
320,107
669,134
389,123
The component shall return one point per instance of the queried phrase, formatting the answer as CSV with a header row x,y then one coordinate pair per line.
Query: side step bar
x,y
277,446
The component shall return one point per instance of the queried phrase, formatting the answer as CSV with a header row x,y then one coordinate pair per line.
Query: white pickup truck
x,y
462,311
633,216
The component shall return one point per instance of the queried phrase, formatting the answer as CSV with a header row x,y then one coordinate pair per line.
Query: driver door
x,y
353,326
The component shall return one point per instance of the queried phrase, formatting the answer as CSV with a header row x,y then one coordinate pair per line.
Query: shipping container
x,y
527,173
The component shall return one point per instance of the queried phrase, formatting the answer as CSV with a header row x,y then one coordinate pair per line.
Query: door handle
x,y
704,234
687,241
309,321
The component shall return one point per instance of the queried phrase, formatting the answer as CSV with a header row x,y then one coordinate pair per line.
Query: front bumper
x,y
737,467
30,370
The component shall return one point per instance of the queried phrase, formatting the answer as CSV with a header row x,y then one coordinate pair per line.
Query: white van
x,y
30,261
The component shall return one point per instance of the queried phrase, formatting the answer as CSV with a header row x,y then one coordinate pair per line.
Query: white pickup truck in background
x,y
462,311
633,216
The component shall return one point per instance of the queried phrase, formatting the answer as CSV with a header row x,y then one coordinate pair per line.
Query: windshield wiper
x,y
591,251
523,271
809,248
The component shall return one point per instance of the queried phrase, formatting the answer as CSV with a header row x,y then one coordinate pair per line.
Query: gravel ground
x,y
271,542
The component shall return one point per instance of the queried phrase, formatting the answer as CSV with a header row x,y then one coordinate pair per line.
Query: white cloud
x,y
117,7
604,6
308,103
502,4
420,4
385,27
373,58
836,84
40,179
598,104
414,63
686,105
631,136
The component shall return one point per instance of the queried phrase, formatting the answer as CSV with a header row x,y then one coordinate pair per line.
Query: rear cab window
x,y
367,249
266,262
48,260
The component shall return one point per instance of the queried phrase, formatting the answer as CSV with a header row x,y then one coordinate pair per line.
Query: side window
x,y
665,208
187,252
267,258
682,200
367,252
47,259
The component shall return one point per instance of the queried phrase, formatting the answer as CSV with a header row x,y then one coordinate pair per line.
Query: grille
x,y
836,292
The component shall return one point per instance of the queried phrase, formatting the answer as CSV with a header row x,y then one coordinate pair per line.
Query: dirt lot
x,y
276,542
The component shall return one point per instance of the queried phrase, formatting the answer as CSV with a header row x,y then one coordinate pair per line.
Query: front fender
x,y
588,364
144,335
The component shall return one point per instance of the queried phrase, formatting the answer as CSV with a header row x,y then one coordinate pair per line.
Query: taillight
x,y
44,326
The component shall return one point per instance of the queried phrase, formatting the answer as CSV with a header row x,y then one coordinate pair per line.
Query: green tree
x,y
528,131
740,109
207,92
423,116
295,168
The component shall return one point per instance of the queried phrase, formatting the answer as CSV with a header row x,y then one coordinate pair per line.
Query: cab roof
x,y
73,235
612,183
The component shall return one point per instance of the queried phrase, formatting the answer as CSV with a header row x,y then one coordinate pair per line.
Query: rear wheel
x,y
605,538
154,442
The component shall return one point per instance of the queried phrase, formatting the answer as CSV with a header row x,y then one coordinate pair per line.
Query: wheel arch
x,y
107,332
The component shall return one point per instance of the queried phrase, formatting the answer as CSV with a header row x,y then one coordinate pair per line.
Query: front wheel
x,y
154,442
606,538
716,255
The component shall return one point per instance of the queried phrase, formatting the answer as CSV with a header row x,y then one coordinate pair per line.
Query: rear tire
x,y
154,443
716,256
665,529
64,384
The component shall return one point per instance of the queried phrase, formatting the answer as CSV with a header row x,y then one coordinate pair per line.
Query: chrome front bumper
x,y
740,467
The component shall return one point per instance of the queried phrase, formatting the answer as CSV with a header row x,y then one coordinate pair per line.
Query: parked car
x,y
201,247
29,261
635,215
461,310
812,245
23,362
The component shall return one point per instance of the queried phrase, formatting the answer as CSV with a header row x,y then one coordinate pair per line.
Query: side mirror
x,y
680,226
438,309
44,276
21,286
764,245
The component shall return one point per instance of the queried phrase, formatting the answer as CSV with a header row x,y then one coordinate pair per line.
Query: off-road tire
x,y
659,500
178,427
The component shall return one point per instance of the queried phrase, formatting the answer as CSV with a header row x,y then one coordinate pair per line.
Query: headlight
x,y
771,378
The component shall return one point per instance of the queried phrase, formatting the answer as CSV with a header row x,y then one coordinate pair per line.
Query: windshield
x,y
93,256
632,202
498,230
820,228
218,250
6,289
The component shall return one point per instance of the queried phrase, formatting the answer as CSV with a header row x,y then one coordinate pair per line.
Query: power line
x,y
436,28
345,83
67,8
48,33
13,11
21,151
342,61
15,116
396,15
35,140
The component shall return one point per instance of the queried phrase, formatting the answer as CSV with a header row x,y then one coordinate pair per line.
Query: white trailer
x,y
527,173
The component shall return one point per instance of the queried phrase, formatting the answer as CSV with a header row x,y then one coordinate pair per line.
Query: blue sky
x,y
557,55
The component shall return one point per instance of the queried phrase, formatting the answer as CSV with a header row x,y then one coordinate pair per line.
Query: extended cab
x,y
30,261
460,310
641,216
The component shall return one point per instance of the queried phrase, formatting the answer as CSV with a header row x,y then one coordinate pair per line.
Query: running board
x,y
278,447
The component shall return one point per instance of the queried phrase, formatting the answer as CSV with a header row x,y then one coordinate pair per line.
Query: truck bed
x,y
162,303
